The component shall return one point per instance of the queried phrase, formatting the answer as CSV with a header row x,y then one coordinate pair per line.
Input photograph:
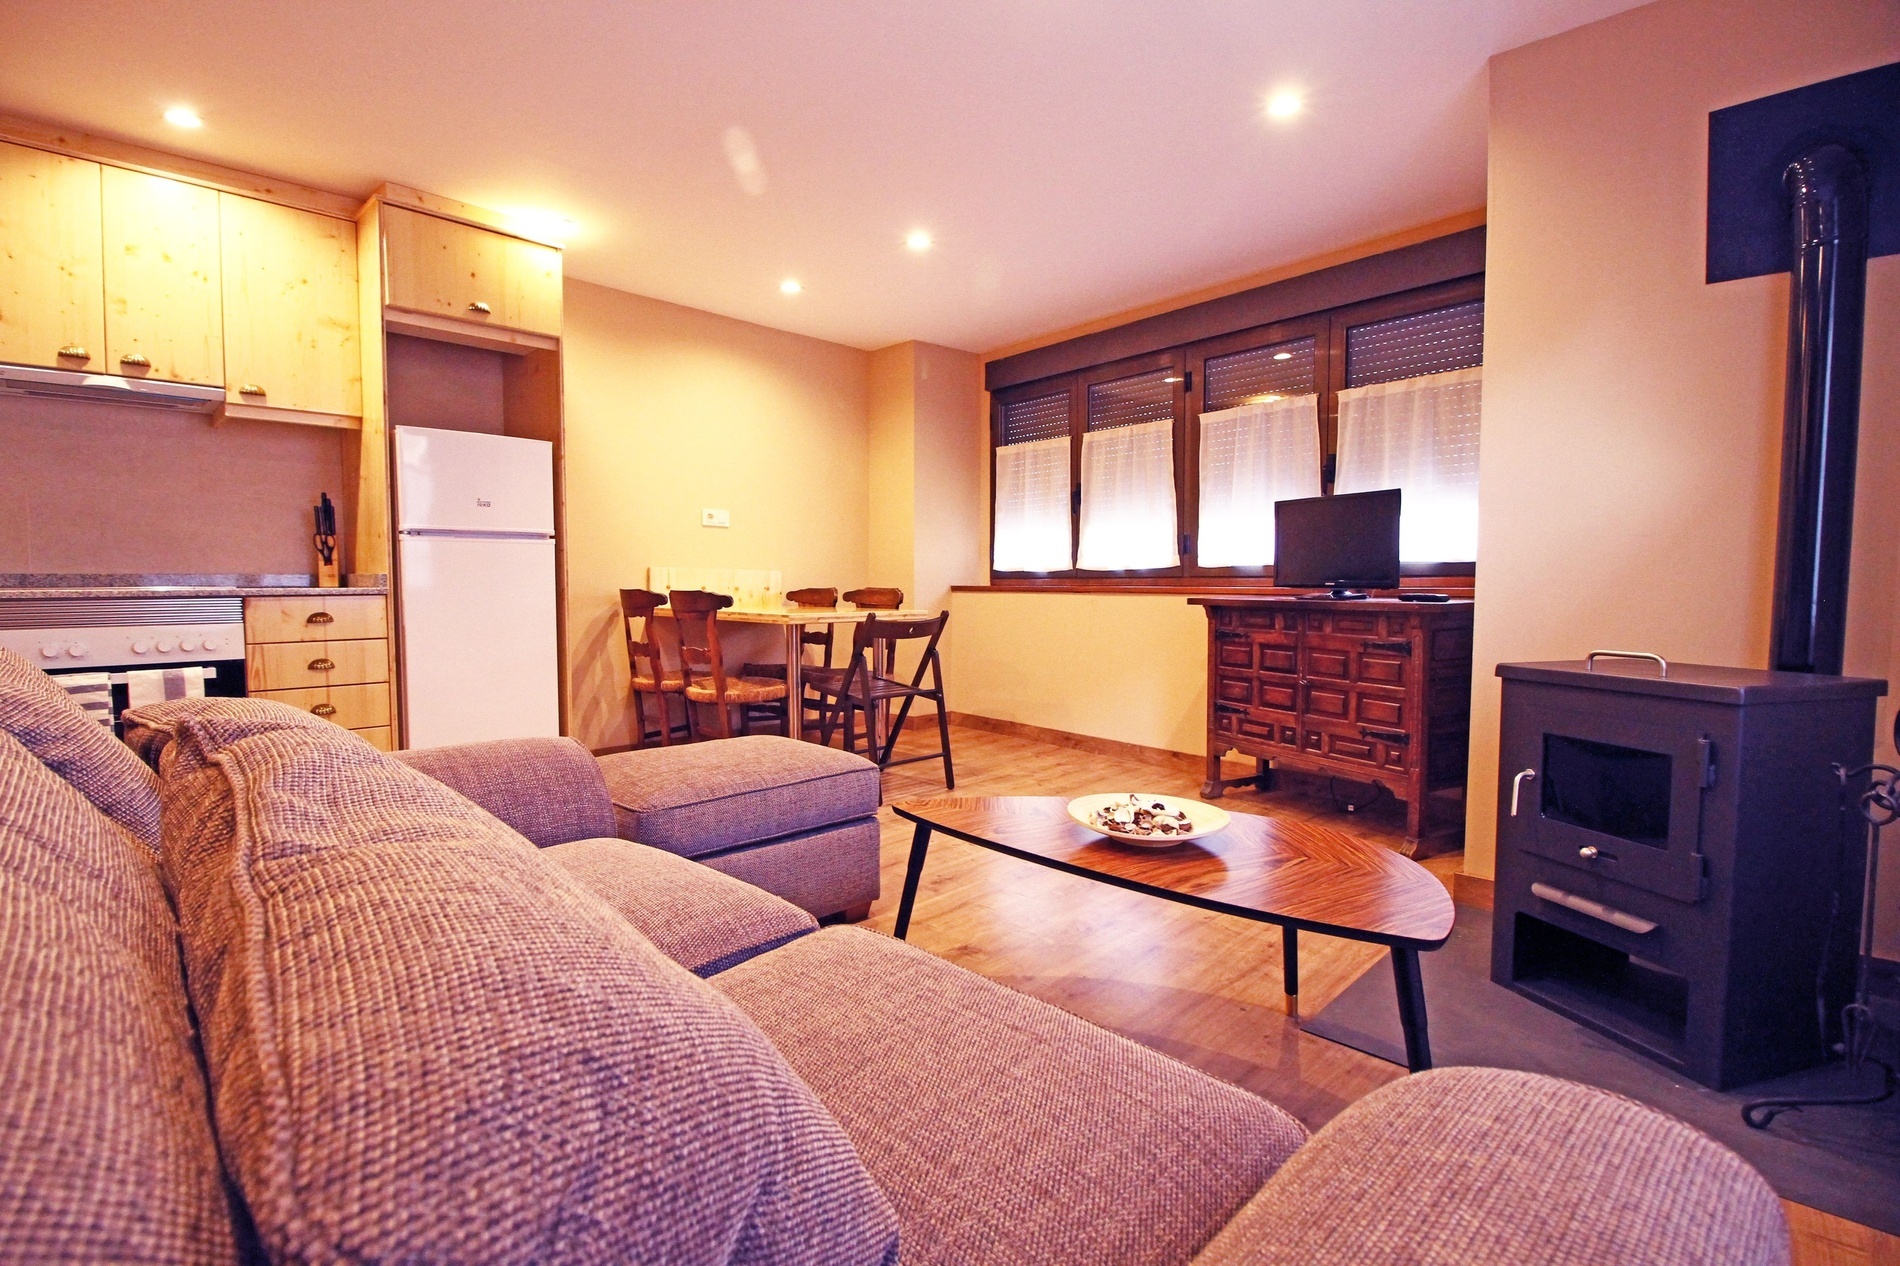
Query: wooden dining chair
x,y
873,598
819,636
697,616
646,663
864,690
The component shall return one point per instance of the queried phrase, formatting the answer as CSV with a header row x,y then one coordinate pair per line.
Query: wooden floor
x,y
1202,987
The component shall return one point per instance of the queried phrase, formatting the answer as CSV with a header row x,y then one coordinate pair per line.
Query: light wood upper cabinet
x,y
164,314
52,294
447,269
291,337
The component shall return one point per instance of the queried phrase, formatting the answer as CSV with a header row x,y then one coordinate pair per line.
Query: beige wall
x,y
1632,413
113,488
671,410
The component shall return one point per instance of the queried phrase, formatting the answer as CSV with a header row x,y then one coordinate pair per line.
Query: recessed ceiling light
x,y
789,286
1284,105
1283,356
183,116
917,240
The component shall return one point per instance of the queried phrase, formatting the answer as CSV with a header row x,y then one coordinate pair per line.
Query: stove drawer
x,y
301,665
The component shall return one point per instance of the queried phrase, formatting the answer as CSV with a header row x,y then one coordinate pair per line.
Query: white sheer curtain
x,y
1419,435
1032,507
1252,456
1128,521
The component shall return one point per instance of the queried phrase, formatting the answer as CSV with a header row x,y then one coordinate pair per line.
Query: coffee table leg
x,y
1290,967
1418,1046
919,845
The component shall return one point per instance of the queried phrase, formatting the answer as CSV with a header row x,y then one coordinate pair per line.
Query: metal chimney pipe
x,y
1821,418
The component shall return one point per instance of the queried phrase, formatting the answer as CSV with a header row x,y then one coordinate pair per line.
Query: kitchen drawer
x,y
377,736
353,707
338,619
299,665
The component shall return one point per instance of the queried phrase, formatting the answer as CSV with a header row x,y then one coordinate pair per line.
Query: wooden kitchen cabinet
x,y
291,334
341,618
52,289
443,268
163,302
323,654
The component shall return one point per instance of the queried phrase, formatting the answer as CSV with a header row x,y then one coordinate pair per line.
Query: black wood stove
x,y
1675,869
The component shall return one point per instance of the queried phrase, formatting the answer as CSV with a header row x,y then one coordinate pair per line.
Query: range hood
x,y
64,384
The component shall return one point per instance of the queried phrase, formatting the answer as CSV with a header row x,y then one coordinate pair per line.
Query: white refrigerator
x,y
475,578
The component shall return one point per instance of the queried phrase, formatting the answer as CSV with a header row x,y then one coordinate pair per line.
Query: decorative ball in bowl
x,y
1150,821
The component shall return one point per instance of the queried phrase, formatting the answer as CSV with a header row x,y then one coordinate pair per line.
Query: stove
x,y
124,635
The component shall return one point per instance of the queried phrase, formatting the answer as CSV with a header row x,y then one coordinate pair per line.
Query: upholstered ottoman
x,y
795,819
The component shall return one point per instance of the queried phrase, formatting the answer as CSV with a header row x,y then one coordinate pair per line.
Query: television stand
x,y
1339,593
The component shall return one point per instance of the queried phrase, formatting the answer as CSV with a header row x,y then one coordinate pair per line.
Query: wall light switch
x,y
715,518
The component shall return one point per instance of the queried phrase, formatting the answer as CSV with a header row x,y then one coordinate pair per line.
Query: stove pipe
x,y
1821,418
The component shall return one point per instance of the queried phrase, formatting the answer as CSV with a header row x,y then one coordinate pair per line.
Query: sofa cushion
x,y
699,918
1003,1129
704,797
106,1149
430,1042
825,871
1488,1167
549,789
37,712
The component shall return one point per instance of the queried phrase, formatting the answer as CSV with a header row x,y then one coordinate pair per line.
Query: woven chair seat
x,y
738,690
672,683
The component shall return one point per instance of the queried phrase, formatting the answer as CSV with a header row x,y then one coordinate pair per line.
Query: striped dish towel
x,y
92,692
156,685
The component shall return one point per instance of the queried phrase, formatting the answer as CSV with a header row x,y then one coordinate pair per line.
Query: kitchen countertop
x,y
172,585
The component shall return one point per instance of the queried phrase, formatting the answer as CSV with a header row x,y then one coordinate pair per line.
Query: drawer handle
x,y
1230,635
325,709
322,665
1595,909
1398,738
319,617
1397,648
135,360
1590,660
73,351
479,306
250,389
1231,708
1517,785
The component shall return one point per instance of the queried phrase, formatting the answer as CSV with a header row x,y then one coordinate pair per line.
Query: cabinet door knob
x,y
250,389
479,306
1517,785
1588,852
135,359
319,617
324,709
73,351
322,665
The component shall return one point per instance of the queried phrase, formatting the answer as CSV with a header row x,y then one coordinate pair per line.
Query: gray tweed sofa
x,y
291,998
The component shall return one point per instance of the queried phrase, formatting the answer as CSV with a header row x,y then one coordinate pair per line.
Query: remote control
x,y
1424,597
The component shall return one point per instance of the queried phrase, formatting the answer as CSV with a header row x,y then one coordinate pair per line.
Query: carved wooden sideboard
x,y
1373,690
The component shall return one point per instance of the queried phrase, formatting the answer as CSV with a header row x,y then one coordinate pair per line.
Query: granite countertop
x,y
174,585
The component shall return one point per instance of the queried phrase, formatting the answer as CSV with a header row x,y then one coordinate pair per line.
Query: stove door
x,y
1607,795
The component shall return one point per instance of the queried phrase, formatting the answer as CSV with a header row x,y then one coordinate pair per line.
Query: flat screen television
x,y
1344,544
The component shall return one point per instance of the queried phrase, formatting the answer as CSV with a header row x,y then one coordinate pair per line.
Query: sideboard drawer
x,y
315,619
301,665
377,736
352,707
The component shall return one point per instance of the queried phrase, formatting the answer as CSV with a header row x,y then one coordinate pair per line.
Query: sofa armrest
x,y
549,789
1488,1167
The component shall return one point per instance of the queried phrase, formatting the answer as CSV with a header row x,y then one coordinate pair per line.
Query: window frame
x,y
1328,330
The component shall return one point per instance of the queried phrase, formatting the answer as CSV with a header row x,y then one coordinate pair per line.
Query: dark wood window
x,y
1428,330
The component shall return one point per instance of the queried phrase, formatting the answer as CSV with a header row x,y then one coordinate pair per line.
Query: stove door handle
x,y
1517,785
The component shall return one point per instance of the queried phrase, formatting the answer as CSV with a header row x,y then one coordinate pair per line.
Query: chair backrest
x,y
813,597
696,614
875,632
874,599
639,604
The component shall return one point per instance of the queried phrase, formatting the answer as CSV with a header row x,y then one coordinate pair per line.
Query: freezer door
x,y
478,639
467,482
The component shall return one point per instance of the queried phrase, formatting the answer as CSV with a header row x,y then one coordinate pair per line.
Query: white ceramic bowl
x,y
1203,818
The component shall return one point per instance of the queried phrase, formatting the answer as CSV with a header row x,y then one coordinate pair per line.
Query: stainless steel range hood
x,y
63,384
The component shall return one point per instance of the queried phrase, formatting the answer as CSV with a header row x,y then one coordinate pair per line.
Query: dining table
x,y
794,620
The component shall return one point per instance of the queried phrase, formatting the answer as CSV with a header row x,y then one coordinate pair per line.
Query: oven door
x,y
1609,796
223,678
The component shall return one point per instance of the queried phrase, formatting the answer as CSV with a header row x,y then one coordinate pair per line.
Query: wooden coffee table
x,y
1299,875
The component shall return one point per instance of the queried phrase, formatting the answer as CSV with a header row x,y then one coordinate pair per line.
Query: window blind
x,y
1251,457
1419,435
1408,346
1128,520
1032,507
1132,401
1039,418
1282,369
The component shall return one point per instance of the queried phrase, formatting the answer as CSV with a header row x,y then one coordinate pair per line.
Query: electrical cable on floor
x,y
1347,806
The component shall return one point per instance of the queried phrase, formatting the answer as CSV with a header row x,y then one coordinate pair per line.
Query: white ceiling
x,y
1072,159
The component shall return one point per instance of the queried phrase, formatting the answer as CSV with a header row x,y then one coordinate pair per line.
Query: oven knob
x,y
189,644
76,650
1588,852
166,646
141,647
49,652
212,643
